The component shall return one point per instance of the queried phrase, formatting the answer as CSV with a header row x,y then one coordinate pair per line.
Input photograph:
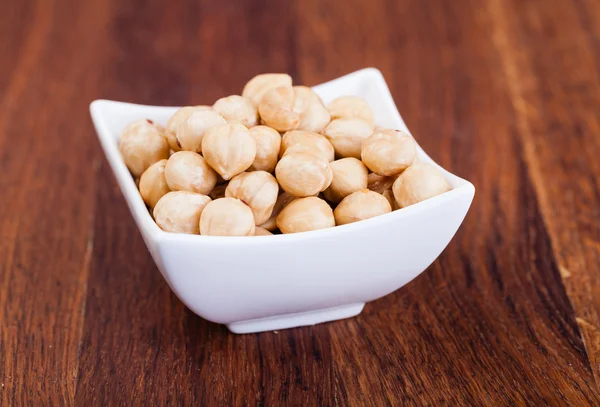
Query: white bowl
x,y
264,283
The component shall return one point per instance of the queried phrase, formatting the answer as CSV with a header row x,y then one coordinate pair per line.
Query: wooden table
x,y
503,93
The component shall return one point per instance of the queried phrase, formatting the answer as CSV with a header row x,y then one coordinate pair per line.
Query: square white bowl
x,y
264,283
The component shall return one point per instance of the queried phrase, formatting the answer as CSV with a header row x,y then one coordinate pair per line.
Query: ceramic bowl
x,y
264,283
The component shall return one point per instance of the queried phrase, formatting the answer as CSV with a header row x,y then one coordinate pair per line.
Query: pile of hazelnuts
x,y
274,160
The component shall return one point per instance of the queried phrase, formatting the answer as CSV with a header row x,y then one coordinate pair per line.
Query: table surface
x,y
503,93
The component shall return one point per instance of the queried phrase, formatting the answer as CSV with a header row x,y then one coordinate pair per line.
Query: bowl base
x,y
297,319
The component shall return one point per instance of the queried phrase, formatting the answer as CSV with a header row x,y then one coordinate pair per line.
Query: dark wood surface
x,y
503,93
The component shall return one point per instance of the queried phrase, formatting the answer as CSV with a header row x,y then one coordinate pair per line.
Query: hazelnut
x,y
280,109
303,174
258,231
153,184
141,145
347,136
349,175
418,183
189,171
347,107
306,141
314,115
307,95
258,190
305,214
282,201
179,211
388,152
191,130
227,217
174,121
258,86
359,206
268,143
237,109
314,118
379,183
229,149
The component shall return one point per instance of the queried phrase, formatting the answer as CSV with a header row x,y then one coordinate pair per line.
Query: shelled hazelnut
x,y
141,145
349,175
418,183
153,184
272,160
303,174
361,205
189,171
258,190
229,149
190,131
179,211
237,109
388,152
305,214
347,136
227,217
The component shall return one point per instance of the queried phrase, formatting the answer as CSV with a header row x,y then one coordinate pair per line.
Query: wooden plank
x,y
47,183
489,323
140,343
550,56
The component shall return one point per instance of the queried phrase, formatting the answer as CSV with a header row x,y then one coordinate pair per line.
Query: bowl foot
x,y
294,320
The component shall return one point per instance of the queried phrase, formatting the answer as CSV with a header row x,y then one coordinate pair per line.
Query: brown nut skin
x,y
347,107
359,206
268,144
179,211
258,231
314,115
190,131
379,183
258,190
258,86
418,183
189,171
229,149
389,195
389,152
307,141
282,201
227,217
305,214
303,174
347,136
142,144
280,109
349,175
237,109
218,191
153,184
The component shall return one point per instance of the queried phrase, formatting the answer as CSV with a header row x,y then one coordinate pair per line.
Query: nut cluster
x,y
274,159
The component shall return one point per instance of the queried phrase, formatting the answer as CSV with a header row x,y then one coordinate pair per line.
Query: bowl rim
x,y
144,220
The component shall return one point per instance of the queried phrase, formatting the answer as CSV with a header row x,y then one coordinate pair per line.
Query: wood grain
x,y
503,93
